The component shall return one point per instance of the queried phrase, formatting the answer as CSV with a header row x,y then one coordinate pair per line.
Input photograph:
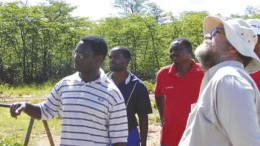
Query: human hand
x,y
17,108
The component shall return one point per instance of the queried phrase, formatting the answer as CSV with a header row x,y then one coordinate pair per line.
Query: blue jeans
x,y
133,138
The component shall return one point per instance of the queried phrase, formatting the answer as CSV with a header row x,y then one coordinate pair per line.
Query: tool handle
x,y
47,129
5,105
28,134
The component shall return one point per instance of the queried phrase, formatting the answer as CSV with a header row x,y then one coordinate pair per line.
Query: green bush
x,y
8,142
149,85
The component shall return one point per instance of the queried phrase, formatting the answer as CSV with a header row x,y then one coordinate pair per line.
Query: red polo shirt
x,y
179,93
256,78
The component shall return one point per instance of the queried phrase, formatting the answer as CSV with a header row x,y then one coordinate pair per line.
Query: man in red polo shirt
x,y
255,24
177,87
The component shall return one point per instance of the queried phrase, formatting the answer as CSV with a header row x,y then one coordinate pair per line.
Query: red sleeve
x,y
256,78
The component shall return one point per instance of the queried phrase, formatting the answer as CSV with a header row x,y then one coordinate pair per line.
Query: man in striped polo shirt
x,y
92,108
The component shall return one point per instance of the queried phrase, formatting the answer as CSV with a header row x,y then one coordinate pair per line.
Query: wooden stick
x,y
5,105
28,134
47,129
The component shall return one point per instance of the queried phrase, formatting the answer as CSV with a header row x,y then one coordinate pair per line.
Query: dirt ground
x,y
153,138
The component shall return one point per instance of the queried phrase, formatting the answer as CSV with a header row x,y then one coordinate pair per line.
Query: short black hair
x,y
125,51
182,42
97,43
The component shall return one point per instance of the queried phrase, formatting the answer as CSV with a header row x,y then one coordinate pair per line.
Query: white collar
x,y
127,80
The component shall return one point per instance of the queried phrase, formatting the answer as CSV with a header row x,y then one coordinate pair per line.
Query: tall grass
x,y
30,89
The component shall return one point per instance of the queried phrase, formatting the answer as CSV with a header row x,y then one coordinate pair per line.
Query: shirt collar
x,y
213,69
172,69
102,78
129,78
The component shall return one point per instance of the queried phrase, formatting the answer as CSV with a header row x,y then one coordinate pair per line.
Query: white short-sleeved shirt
x,y
228,109
93,113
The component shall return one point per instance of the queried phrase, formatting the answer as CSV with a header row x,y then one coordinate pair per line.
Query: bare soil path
x,y
152,140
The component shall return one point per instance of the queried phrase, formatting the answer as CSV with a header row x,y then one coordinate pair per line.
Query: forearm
x,y
119,144
160,105
33,110
143,124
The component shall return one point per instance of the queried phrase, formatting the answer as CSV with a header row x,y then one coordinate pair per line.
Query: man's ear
x,y
99,58
128,61
232,50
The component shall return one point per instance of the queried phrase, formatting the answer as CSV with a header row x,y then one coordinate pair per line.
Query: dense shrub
x,y
149,85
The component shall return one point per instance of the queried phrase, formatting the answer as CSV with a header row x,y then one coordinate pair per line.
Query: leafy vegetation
x,y
8,142
149,86
37,41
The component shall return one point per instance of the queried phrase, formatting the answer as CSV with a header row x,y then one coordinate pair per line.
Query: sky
x,y
98,9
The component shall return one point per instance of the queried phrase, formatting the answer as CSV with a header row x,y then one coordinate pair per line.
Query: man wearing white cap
x,y
255,24
227,112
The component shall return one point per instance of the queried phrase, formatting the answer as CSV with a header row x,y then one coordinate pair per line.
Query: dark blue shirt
x,y
136,98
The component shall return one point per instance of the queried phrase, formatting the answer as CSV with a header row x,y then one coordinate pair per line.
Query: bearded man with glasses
x,y
227,112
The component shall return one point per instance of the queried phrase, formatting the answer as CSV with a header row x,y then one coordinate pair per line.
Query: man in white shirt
x,y
227,112
92,108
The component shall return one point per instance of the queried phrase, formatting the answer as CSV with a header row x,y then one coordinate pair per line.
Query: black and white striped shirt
x,y
93,113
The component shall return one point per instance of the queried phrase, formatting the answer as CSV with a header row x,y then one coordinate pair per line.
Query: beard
x,y
208,55
116,68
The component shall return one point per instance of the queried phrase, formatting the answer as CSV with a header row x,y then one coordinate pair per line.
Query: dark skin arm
x,y
160,105
30,109
119,144
143,122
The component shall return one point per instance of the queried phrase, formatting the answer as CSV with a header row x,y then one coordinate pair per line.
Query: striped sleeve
x,y
51,107
118,124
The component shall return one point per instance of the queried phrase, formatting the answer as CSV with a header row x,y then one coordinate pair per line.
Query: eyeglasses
x,y
215,31
82,55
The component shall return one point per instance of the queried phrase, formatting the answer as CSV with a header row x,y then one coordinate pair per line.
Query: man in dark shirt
x,y
134,92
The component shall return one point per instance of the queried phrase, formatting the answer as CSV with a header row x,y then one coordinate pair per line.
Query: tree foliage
x,y
251,10
36,42
130,6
